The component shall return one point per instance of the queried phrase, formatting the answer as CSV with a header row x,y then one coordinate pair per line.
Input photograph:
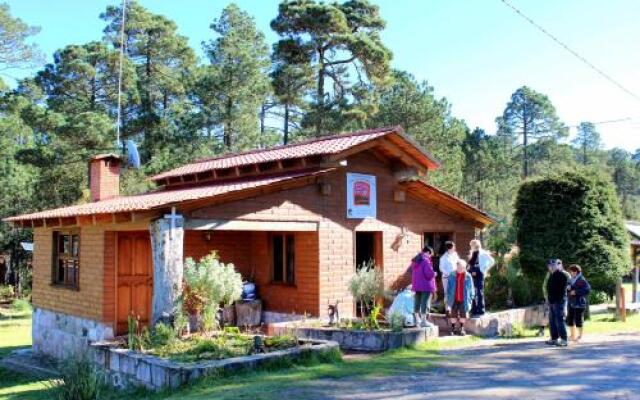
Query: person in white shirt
x,y
448,263
480,262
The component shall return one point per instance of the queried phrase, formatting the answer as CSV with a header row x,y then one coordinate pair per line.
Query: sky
x,y
475,53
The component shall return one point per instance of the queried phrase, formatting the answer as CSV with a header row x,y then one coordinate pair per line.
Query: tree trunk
x,y
227,126
263,111
319,120
525,151
286,124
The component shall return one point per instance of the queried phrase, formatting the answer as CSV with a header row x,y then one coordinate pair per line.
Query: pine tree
x,y
428,120
163,61
587,141
15,52
530,118
234,86
337,41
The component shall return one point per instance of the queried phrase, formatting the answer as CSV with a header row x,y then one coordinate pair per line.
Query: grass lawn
x,y
15,333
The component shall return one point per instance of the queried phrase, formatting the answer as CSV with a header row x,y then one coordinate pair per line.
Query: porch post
x,y
167,235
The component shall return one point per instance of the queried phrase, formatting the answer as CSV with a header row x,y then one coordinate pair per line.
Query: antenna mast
x,y
119,117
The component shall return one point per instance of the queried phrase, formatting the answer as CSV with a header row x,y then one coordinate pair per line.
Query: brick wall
x,y
335,239
87,300
250,252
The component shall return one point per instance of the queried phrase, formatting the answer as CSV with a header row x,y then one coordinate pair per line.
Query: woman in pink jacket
x,y
423,283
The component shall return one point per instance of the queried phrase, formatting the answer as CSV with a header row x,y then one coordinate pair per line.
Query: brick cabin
x,y
279,215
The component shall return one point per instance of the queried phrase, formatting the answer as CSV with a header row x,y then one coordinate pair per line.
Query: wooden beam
x,y
122,217
355,150
137,216
400,154
250,225
68,221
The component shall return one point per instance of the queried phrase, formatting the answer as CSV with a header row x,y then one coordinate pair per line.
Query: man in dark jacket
x,y
557,298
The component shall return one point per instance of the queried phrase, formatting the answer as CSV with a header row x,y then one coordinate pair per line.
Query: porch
x,y
281,258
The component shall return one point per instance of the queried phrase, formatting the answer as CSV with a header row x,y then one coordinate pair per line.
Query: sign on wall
x,y
361,196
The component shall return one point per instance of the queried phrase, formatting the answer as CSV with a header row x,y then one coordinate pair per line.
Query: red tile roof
x,y
322,146
161,198
447,201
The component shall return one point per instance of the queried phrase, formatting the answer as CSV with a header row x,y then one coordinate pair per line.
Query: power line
x,y
573,52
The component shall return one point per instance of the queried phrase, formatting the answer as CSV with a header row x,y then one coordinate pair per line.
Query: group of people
x,y
566,295
565,292
462,283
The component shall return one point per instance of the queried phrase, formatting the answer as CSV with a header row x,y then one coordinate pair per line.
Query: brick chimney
x,y
104,176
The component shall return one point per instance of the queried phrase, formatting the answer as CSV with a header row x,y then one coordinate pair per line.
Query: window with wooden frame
x,y
283,256
66,258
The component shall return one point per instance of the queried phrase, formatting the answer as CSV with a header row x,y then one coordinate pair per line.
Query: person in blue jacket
x,y
579,289
460,294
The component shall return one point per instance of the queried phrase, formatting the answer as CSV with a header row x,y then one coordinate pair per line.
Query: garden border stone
x,y
369,341
127,368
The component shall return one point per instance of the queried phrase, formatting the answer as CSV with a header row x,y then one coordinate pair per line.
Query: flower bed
x,y
170,366
370,340
356,335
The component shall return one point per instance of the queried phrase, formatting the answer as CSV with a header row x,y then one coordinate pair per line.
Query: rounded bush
x,y
574,216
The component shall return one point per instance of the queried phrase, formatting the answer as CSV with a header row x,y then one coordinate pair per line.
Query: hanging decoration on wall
x,y
361,196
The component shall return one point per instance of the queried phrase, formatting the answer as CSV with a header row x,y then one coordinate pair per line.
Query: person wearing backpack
x,y
480,262
579,289
423,283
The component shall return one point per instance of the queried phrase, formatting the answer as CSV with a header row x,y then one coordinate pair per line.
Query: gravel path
x,y
601,367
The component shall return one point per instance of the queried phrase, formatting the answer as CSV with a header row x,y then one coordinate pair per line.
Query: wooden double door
x,y
134,279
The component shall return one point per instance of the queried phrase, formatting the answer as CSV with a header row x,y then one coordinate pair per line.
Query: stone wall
x,y
126,368
499,323
370,341
61,335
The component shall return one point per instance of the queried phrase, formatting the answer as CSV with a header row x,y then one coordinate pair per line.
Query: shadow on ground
x,y
602,368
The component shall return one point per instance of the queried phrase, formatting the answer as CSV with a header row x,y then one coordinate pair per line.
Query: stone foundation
x,y
60,335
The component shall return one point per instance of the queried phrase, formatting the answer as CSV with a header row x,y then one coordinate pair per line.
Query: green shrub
x,y
281,342
209,283
598,297
574,216
79,380
161,335
521,289
6,292
496,291
366,285
396,321
21,306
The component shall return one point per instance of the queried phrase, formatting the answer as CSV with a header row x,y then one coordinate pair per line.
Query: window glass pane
x,y
64,244
72,273
75,245
290,259
278,258
60,272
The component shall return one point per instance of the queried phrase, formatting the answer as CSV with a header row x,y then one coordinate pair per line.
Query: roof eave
x,y
470,212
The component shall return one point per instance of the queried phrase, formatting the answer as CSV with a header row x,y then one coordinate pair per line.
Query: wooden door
x,y
134,279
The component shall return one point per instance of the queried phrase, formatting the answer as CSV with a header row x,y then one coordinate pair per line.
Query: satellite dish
x,y
133,157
